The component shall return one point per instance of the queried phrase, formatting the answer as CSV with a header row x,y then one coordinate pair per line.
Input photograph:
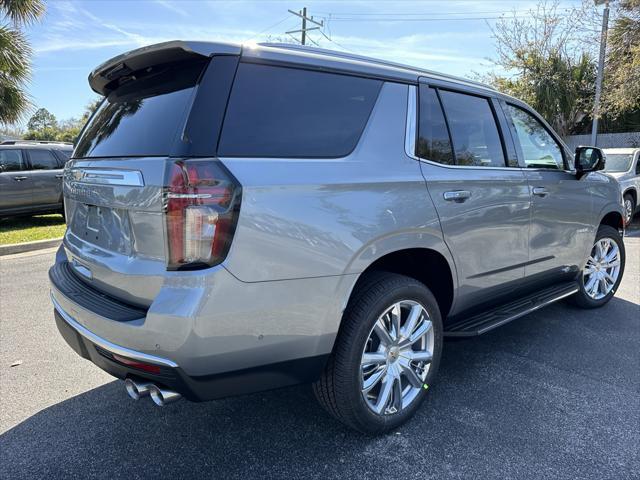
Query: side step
x,y
494,318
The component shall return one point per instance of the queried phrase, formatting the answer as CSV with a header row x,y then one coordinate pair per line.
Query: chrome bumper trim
x,y
107,345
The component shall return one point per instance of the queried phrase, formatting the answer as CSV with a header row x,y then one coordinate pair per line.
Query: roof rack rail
x,y
377,61
34,142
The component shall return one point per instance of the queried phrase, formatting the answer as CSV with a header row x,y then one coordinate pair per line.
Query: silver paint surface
x,y
308,228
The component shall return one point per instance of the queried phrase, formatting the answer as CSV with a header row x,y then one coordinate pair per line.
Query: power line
x,y
268,28
333,41
383,14
457,19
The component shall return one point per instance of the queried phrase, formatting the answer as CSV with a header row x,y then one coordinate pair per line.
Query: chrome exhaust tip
x,y
136,389
162,396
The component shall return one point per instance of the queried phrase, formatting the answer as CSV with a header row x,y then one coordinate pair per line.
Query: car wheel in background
x,y
629,207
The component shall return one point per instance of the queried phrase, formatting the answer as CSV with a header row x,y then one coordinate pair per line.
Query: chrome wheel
x,y
628,210
602,269
397,357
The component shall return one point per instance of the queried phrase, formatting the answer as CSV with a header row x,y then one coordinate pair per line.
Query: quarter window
x,y
11,161
538,148
433,138
288,112
43,160
476,141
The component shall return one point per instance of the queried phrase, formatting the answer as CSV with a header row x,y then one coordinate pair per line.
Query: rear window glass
x,y
144,115
286,112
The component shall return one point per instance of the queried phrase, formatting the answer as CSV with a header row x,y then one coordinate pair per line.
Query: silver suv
x,y
623,164
246,218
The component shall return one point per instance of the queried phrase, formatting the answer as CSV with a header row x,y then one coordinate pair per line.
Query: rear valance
x,y
103,76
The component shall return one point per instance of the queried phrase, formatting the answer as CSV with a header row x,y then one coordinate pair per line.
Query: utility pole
x,y
303,31
603,48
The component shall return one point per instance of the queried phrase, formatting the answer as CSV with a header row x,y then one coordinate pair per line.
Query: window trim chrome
x,y
101,176
107,345
411,134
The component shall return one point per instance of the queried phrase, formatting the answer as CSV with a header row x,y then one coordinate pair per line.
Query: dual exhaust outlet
x,y
160,396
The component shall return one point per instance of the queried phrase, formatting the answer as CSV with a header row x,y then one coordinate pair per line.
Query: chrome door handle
x,y
19,179
59,175
540,191
457,196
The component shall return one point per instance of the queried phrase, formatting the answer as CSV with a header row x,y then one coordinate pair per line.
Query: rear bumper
x,y
196,388
212,337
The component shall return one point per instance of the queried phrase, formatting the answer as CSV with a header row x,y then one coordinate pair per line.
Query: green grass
x,y
28,229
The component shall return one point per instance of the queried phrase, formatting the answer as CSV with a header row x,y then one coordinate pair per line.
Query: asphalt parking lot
x,y
553,395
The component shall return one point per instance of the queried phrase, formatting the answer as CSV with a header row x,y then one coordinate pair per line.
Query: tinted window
x,y
144,115
475,136
11,161
433,137
64,154
285,112
43,160
539,149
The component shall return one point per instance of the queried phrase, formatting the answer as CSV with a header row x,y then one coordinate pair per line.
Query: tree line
x,y
548,58
43,125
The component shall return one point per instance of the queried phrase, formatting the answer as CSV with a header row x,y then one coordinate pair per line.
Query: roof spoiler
x,y
175,50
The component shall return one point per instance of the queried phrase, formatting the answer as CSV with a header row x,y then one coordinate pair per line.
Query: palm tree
x,y
15,56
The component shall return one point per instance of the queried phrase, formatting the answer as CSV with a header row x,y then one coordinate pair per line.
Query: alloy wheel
x,y
628,211
602,270
396,357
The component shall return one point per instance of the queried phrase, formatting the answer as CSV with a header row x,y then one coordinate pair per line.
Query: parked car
x,y
31,177
246,218
623,164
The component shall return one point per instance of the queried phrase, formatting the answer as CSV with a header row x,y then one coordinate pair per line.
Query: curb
x,y
28,246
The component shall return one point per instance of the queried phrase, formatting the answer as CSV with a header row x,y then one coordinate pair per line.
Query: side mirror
x,y
589,159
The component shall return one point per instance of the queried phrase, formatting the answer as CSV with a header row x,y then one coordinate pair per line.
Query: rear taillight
x,y
202,204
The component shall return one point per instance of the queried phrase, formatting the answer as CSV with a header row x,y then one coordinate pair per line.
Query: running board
x,y
494,318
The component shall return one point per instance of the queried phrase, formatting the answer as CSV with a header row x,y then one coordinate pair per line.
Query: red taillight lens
x,y
147,367
203,201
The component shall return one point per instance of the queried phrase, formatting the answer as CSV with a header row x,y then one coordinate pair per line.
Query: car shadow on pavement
x,y
527,400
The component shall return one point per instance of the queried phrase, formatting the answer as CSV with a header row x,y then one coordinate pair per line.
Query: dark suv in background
x,y
31,176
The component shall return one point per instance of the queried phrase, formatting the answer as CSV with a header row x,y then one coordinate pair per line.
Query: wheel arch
x,y
427,265
634,194
614,219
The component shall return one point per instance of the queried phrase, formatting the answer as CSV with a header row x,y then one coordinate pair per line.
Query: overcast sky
x,y
74,36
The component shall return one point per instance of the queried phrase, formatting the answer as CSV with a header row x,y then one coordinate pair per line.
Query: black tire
x,y
339,388
628,213
582,298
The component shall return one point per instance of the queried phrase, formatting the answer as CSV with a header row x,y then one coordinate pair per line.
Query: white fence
x,y
606,140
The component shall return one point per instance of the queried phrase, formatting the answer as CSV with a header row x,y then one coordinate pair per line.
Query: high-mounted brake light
x,y
202,204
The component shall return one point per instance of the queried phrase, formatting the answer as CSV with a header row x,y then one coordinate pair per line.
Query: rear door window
x,y
11,161
288,112
433,137
144,115
476,140
43,160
